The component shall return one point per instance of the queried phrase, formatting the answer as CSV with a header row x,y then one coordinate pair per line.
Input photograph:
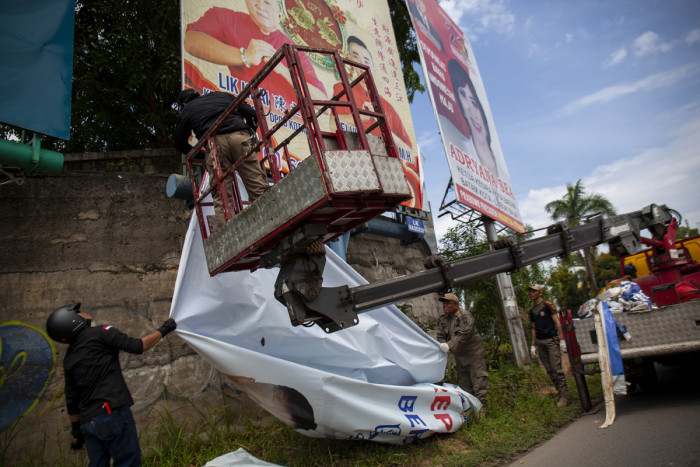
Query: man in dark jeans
x,y
233,140
548,341
97,397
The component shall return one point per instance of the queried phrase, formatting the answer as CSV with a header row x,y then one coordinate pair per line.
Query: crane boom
x,y
335,308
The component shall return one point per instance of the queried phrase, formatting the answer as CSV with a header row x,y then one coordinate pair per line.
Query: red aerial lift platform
x,y
347,179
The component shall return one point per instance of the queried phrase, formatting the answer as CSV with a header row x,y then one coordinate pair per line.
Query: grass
x,y
521,413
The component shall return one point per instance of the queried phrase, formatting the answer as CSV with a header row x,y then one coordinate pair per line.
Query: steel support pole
x,y
509,304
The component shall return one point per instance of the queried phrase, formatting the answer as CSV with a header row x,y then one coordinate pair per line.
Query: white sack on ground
x,y
370,381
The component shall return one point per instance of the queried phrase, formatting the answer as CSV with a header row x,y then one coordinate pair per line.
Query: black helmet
x,y
186,96
65,323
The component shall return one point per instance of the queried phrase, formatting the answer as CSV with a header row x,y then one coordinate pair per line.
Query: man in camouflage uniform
x,y
456,332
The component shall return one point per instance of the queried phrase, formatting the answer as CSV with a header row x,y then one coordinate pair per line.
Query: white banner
x,y
371,381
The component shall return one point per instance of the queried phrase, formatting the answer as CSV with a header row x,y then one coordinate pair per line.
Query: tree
x,y
407,45
575,205
607,268
686,232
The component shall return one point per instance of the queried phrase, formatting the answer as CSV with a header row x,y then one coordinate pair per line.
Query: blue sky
x,y
605,91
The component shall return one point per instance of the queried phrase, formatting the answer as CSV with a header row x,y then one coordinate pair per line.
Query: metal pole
x,y
509,304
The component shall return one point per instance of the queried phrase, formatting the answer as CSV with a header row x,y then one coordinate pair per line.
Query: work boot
x,y
563,401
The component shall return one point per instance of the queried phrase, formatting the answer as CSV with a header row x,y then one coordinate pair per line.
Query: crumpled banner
x,y
616,366
370,381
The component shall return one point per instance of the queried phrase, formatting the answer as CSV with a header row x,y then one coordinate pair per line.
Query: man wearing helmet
x,y
97,397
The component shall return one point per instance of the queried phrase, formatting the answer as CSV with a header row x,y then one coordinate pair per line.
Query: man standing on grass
x,y
97,397
457,333
548,341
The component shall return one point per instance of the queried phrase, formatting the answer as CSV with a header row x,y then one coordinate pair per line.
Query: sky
x,y
603,91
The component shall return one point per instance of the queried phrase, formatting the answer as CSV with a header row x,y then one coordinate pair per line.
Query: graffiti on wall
x,y
27,363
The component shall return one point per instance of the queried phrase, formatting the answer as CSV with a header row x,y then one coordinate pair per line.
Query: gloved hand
x,y
533,352
78,437
168,326
444,347
562,346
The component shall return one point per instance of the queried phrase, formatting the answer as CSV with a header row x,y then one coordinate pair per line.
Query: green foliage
x,y
686,232
565,288
607,267
407,45
126,75
126,164
574,206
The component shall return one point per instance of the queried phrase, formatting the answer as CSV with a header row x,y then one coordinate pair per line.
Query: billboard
x,y
464,117
36,65
226,42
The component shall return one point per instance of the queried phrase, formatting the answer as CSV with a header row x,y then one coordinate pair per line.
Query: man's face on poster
x,y
421,6
360,54
265,14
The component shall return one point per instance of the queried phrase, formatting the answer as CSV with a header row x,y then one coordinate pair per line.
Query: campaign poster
x,y
474,154
226,42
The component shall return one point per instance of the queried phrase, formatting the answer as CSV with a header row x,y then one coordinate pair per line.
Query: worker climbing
x,y
233,141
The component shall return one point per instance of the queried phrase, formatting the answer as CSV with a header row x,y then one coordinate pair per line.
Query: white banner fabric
x,y
371,381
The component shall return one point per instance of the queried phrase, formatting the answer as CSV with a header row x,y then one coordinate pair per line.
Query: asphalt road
x,y
651,428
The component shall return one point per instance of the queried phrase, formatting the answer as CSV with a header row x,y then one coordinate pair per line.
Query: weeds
x,y
521,412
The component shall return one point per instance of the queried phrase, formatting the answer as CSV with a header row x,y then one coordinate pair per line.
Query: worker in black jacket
x,y
97,397
233,140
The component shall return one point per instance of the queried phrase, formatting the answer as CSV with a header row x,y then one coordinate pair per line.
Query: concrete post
x,y
509,304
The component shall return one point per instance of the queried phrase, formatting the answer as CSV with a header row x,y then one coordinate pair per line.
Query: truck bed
x,y
662,331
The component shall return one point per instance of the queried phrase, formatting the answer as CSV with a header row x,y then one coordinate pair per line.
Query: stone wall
x,y
112,241
377,258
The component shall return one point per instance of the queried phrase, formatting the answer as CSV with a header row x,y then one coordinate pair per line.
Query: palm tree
x,y
575,205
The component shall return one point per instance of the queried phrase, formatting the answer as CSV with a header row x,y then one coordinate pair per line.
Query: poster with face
x,y
474,154
226,42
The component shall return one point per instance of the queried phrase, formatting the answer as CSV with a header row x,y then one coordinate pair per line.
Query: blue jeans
x,y
112,436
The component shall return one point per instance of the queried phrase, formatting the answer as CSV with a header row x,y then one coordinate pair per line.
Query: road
x,y
658,428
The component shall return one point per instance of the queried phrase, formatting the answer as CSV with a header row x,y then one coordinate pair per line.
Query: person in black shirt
x,y
548,341
233,140
97,397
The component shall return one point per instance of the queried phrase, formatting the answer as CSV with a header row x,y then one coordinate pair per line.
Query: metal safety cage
x,y
347,178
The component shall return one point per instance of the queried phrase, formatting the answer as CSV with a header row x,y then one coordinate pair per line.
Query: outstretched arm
x,y
153,338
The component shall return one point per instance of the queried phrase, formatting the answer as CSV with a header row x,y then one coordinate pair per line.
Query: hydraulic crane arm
x,y
335,308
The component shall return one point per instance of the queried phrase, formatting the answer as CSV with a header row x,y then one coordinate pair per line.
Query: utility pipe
x,y
30,157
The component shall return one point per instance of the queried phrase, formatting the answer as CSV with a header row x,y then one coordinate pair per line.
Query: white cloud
x,y
616,57
480,15
668,174
569,37
692,37
655,81
428,139
649,43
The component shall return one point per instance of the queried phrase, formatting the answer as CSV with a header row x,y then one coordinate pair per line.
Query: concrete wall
x,y
112,241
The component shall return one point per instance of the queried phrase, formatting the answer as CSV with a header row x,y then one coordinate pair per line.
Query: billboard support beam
x,y
509,304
